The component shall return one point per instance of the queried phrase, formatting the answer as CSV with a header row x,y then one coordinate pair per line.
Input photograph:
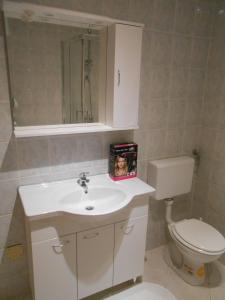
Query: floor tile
x,y
217,293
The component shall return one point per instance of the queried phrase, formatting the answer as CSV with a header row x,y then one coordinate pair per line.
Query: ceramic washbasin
x,y
104,196
97,201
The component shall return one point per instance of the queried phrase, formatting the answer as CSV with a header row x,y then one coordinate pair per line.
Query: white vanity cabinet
x,y
123,75
129,249
54,269
94,247
72,258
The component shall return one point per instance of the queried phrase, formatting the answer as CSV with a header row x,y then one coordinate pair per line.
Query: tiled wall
x,y
210,188
175,50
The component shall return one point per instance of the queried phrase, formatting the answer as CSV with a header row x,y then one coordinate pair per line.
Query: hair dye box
x,y
123,161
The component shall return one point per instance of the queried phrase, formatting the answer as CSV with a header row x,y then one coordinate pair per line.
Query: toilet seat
x,y
144,291
199,236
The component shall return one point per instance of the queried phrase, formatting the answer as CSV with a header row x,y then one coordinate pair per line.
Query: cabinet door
x,y
54,269
130,238
95,260
124,58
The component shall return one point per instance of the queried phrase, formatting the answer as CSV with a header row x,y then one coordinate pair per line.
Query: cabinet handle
x,y
118,79
127,229
91,236
58,248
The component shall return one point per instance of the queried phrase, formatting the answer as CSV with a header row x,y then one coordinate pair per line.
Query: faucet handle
x,y
83,176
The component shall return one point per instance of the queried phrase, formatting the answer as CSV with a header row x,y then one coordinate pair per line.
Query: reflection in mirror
x,y
80,77
57,72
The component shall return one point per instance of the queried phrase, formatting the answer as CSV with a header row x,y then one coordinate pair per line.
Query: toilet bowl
x,y
199,243
144,291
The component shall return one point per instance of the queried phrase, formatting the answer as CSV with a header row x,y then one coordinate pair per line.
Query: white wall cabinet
x,y
119,109
123,75
95,260
72,260
54,269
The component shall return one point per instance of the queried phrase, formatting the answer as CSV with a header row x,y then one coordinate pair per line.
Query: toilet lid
x,y
144,291
200,235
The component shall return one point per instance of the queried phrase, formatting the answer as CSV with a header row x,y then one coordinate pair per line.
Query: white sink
x,y
99,200
104,196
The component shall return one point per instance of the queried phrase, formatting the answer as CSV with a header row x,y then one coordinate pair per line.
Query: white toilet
x,y
195,242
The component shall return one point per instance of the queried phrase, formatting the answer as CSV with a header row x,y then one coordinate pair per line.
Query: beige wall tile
x,y
190,139
200,53
182,51
176,113
216,198
211,111
141,138
219,150
221,121
218,174
179,83
8,162
8,196
159,82
116,8
173,142
193,112
160,50
203,24
4,229
207,146
196,83
163,15
185,16
5,122
33,156
141,11
157,113
216,58
156,143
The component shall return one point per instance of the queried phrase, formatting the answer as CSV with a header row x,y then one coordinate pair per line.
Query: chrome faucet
x,y
83,180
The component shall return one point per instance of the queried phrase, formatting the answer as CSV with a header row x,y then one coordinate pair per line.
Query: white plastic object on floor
x,y
144,291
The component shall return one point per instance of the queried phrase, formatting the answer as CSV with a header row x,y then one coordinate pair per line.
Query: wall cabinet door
x,y
54,269
123,75
129,252
95,260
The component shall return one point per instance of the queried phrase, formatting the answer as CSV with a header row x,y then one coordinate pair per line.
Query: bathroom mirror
x,y
57,65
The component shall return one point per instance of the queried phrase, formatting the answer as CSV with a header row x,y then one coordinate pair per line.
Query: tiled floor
x,y
157,271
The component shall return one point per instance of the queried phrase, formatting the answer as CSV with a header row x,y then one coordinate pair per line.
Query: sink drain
x,y
89,207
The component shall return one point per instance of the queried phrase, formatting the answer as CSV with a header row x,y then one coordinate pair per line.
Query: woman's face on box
x,y
121,162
